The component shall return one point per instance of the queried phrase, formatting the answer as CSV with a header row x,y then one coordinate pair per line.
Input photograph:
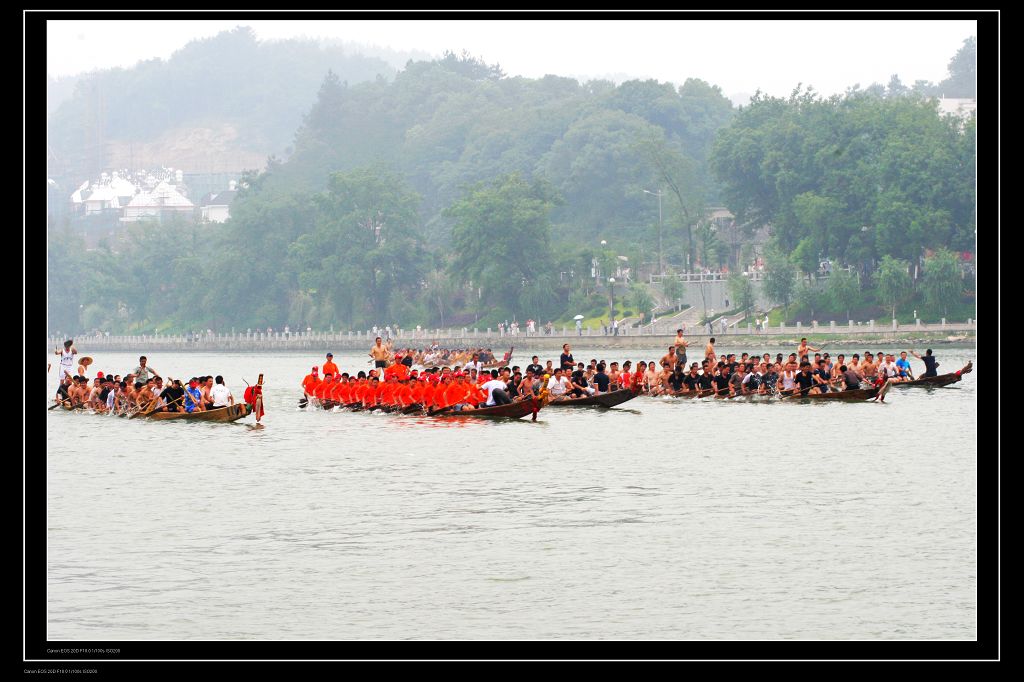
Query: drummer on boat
x,y
67,357
929,362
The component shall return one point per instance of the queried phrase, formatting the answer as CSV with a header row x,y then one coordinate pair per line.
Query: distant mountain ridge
x,y
225,103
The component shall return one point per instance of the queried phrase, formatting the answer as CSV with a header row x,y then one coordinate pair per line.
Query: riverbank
x,y
910,337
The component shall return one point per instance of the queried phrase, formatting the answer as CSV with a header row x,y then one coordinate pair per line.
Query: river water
x,y
660,519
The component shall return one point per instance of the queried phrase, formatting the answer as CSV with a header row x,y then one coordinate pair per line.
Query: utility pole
x,y
661,264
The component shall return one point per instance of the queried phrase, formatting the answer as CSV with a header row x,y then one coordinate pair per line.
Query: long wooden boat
x,y
507,362
851,396
941,380
610,399
514,410
855,395
222,414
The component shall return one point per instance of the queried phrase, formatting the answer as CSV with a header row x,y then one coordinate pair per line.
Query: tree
x,y
843,290
501,238
364,246
893,282
438,292
943,280
683,178
963,72
673,290
641,299
779,277
810,297
741,289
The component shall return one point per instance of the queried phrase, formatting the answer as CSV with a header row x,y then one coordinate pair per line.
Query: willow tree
x,y
893,282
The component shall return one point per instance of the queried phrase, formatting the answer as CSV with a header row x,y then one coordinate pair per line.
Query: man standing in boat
x,y
142,372
566,360
803,349
929,362
67,357
329,366
681,344
380,354
709,351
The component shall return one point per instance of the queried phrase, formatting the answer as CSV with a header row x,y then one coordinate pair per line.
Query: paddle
x,y
62,402
157,407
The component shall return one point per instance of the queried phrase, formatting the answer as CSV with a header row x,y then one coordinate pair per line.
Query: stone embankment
x,y
856,334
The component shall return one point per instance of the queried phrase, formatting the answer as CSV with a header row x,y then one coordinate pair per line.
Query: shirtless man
x,y
803,348
868,368
680,346
380,354
613,375
671,358
709,351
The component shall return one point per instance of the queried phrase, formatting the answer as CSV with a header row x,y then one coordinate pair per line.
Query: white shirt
x,y
558,385
220,393
67,362
490,386
478,366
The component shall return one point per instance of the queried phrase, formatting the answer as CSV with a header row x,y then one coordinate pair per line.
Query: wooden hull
x,y
856,395
510,411
610,399
941,380
223,414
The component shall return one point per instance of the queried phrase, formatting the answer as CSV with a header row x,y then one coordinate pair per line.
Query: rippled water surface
x,y
660,519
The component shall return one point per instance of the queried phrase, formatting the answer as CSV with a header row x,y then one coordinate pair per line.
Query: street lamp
x,y
611,298
661,265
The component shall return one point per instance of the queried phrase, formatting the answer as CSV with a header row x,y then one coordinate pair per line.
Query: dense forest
x,y
453,194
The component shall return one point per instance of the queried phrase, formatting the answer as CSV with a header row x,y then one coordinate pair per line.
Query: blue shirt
x,y
904,366
195,394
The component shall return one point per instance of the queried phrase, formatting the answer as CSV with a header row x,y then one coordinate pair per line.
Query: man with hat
x,y
329,366
310,382
83,364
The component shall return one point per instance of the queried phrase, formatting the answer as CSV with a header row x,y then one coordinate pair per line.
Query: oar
x,y
157,407
58,404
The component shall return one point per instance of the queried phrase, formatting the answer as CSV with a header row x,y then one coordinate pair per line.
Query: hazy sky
x,y
740,56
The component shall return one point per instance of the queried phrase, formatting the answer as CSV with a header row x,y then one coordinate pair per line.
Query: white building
x,y
99,198
962,107
160,203
216,206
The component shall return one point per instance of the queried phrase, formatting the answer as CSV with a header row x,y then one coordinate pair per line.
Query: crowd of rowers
x,y
469,386
140,391
434,355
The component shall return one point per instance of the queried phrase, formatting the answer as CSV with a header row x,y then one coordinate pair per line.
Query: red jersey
x,y
310,382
